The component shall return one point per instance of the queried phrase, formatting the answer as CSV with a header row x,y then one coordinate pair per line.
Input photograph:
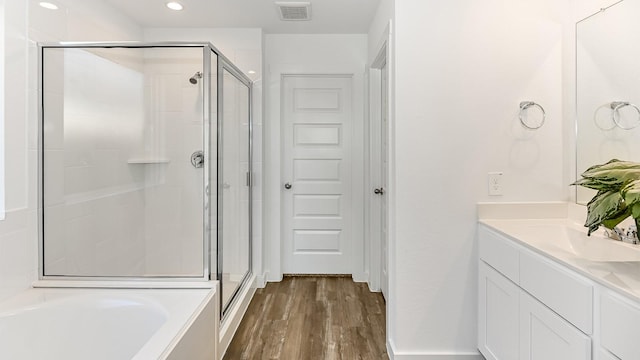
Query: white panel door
x,y
316,119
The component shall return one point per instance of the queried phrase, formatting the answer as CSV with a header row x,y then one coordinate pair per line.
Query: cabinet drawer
x,y
565,293
619,327
499,252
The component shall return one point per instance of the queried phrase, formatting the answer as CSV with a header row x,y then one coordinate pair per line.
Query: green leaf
x,y
635,211
616,219
612,164
597,185
614,176
606,205
631,195
618,197
631,192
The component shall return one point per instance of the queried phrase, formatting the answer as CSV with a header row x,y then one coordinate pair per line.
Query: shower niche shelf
x,y
142,161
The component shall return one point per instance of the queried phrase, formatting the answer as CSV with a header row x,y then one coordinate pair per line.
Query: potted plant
x,y
618,194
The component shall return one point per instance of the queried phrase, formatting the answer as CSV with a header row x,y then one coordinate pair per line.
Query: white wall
x,y
25,24
384,14
462,67
2,113
307,54
243,46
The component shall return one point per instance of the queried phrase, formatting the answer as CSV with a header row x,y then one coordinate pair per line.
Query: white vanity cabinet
x,y
498,316
619,326
514,323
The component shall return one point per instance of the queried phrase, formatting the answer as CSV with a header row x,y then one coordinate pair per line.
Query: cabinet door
x,y
546,336
619,326
498,315
605,355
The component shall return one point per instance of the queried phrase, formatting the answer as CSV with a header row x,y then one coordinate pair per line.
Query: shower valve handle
x,y
287,186
197,159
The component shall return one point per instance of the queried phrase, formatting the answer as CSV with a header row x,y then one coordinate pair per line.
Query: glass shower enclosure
x,y
144,164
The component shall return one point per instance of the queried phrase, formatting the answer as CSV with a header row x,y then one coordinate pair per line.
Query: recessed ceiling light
x,y
48,5
174,5
251,72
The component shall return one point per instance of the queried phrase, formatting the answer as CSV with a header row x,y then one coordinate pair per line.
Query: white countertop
x,y
611,263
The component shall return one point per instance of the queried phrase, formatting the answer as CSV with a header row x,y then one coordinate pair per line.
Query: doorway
x,y
328,102
379,170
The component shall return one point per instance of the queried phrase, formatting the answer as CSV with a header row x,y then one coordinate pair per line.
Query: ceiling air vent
x,y
294,11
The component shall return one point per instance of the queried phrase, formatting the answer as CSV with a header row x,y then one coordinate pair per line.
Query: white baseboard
x,y
234,317
400,355
371,289
261,280
360,277
273,277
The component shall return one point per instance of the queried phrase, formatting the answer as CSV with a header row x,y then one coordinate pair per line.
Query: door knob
x,y
379,191
287,186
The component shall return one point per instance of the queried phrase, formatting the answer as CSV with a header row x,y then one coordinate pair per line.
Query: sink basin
x,y
596,247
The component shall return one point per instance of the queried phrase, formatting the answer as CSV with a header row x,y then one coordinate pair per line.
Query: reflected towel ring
x,y
615,114
599,123
524,105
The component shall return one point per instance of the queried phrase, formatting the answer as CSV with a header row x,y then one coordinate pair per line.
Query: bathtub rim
x,y
211,296
163,341
125,284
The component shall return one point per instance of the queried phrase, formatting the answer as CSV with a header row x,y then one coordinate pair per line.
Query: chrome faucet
x,y
629,236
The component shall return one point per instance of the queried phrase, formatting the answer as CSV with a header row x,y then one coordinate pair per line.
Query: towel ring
x,y
615,114
524,105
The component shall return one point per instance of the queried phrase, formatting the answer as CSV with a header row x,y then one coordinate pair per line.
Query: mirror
x,y
607,88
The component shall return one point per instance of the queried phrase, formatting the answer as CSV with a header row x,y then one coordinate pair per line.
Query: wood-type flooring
x,y
312,318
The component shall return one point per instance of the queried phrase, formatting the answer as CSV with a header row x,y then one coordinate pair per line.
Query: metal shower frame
x,y
223,63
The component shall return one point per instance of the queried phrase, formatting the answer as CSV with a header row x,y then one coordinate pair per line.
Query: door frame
x,y
273,221
383,57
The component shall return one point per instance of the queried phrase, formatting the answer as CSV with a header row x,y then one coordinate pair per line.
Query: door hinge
x,y
248,178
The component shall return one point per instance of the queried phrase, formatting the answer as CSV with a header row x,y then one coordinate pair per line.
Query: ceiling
x,y
327,16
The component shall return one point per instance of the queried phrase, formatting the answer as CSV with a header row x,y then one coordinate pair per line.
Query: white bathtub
x,y
109,324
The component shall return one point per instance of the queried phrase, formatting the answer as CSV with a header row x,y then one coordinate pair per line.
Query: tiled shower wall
x,y
174,209
25,24
93,197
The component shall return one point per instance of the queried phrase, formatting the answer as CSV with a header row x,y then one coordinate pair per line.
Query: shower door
x,y
234,182
123,152
131,138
